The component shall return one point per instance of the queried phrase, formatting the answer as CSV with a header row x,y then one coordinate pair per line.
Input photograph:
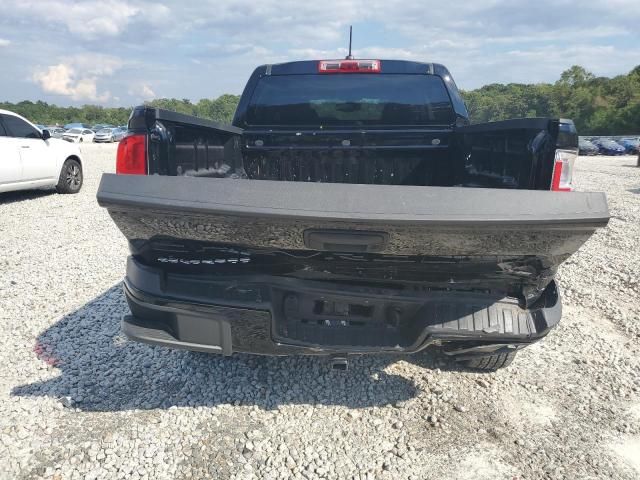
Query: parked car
x,y
101,126
350,209
606,146
585,147
78,135
69,126
106,135
56,132
631,145
120,133
32,159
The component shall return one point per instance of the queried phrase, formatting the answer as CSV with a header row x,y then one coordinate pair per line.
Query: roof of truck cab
x,y
387,66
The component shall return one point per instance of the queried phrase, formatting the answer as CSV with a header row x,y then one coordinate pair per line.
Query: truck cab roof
x,y
303,67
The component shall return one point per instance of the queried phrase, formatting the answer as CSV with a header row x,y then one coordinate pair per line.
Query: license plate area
x,y
327,320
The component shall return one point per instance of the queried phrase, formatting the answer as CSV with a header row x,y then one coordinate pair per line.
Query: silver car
x,y
106,135
120,133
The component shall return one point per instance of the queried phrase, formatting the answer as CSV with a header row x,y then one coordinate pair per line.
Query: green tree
x,y
597,105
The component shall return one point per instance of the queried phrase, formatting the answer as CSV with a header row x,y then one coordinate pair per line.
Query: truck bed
x,y
515,154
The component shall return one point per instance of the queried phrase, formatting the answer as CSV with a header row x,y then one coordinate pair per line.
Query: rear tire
x,y
70,180
489,363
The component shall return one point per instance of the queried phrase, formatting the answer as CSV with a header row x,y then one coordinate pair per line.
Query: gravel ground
x,y
79,401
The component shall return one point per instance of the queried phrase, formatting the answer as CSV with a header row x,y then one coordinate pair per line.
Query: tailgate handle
x,y
351,241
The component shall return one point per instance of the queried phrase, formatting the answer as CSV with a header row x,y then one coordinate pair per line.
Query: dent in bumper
x,y
198,324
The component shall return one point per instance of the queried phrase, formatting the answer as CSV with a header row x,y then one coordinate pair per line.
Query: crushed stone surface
x,y
79,401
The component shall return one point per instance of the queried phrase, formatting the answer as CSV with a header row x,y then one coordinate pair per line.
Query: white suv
x,y
30,158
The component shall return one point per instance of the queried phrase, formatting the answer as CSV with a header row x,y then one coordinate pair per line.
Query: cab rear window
x,y
350,100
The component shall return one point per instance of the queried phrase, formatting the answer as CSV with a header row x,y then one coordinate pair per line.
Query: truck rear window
x,y
350,100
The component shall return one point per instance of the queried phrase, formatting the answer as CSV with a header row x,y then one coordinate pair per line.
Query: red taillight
x,y
132,155
561,180
349,66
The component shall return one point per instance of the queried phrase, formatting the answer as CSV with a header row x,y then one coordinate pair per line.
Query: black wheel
x,y
81,140
489,363
70,180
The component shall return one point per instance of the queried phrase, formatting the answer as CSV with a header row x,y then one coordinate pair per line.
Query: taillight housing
x,y
349,66
562,178
132,155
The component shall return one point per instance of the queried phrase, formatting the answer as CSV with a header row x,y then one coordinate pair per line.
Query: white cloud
x,y
267,21
236,49
549,61
147,92
4,42
315,53
505,19
90,19
206,48
62,79
142,91
77,77
96,64
480,34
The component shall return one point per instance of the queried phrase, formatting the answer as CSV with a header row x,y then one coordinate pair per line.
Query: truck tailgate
x,y
382,219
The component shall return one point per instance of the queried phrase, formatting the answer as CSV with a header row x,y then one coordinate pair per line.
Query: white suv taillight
x,y
561,180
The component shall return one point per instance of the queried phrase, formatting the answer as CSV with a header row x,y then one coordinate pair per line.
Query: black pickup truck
x,y
351,208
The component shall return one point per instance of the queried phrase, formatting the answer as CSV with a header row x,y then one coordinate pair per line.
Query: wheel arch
x,y
77,158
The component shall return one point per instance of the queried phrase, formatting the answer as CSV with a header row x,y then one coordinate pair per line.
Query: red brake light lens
x,y
132,155
349,66
562,178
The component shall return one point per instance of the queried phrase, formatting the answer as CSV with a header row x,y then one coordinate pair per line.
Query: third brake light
x,y
349,66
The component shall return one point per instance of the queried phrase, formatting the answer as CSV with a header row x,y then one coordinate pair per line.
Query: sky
x,y
120,53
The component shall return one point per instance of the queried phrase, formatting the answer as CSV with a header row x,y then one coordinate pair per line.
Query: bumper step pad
x,y
321,320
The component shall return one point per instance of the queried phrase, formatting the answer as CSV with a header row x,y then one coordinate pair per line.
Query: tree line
x,y
598,105
220,109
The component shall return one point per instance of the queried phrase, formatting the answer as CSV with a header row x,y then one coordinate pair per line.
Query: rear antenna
x,y
350,57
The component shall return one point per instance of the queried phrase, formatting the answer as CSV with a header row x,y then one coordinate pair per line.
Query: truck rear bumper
x,y
274,316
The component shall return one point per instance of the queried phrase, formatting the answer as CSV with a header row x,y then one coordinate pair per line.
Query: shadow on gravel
x,y
634,190
19,196
102,371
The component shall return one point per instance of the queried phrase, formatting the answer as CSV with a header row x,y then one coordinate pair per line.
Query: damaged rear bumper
x,y
279,316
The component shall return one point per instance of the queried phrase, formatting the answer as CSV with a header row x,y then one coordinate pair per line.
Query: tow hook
x,y
339,363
